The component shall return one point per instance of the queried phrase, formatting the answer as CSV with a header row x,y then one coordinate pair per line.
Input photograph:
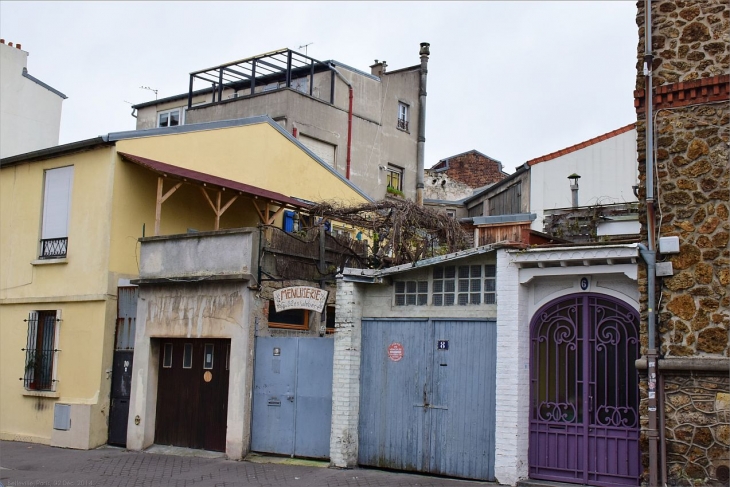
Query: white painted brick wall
x,y
346,375
512,384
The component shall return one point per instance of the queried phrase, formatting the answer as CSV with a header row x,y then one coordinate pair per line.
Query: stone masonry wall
x,y
697,413
692,201
473,169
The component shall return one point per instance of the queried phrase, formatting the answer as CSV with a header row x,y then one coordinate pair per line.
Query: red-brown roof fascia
x,y
200,177
582,145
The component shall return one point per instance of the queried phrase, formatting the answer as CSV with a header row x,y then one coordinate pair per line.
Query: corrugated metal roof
x,y
200,177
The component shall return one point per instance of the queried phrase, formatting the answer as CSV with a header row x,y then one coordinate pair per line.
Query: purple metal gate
x,y
584,394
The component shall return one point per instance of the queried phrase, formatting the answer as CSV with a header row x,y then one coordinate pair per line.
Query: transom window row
x,y
452,285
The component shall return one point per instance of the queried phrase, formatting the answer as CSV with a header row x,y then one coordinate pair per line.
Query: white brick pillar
x,y
513,358
346,375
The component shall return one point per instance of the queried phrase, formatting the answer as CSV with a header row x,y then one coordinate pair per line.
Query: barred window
x,y
40,351
490,284
411,293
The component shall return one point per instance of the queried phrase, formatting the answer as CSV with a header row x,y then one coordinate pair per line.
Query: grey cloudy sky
x,y
514,80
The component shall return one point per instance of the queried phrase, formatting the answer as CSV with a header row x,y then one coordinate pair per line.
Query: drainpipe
x,y
349,120
649,252
424,52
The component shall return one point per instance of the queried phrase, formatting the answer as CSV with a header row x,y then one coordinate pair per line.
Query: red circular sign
x,y
395,351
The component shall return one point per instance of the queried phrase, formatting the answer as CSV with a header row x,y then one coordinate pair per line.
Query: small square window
x,y
411,293
490,284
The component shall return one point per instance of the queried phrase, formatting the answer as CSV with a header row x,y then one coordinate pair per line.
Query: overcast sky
x,y
514,80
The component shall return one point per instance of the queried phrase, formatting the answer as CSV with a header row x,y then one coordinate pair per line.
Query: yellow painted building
x,y
71,217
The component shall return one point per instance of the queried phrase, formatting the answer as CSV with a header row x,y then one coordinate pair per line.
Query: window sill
x,y
49,394
404,130
63,260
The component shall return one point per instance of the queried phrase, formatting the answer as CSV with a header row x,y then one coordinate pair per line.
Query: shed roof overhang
x,y
218,184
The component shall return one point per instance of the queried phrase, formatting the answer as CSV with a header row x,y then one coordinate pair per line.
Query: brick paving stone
x,y
32,465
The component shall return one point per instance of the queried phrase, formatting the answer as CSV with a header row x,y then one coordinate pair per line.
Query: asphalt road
x,y
26,464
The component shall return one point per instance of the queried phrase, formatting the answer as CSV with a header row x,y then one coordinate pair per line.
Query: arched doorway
x,y
584,394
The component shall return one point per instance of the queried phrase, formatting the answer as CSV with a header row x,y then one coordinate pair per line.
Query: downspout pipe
x,y
425,52
648,252
349,120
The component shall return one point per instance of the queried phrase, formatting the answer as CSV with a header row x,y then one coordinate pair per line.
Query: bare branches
x,y
401,231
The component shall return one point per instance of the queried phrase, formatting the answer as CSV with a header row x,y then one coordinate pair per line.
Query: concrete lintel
x,y
693,364
193,279
526,275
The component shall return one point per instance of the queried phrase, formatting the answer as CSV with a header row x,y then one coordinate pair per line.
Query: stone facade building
x,y
691,89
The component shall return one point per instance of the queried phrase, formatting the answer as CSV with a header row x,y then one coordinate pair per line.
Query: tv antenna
x,y
305,47
151,89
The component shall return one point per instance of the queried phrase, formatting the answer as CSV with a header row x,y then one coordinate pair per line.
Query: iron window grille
x,y
40,351
411,293
53,248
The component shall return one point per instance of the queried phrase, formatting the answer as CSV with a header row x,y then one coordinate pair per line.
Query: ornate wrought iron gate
x,y
584,397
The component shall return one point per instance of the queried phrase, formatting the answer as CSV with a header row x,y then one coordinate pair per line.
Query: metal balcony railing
x,y
403,124
53,248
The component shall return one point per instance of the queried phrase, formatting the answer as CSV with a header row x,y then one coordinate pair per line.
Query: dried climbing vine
x,y
399,231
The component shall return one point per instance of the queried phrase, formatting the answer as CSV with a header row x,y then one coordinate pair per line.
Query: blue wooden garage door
x,y
427,396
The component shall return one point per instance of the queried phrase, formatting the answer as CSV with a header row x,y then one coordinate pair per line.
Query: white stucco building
x,y
30,110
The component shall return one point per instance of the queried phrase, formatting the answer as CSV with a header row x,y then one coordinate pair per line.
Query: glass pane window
x,y
169,118
167,356
444,285
470,284
411,293
402,116
394,178
188,356
40,351
291,318
490,284
208,356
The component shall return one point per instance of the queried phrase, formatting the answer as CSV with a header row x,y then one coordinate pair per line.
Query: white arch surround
x,y
526,281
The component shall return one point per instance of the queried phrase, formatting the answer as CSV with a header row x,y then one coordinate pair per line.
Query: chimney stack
x,y
424,52
378,68
574,188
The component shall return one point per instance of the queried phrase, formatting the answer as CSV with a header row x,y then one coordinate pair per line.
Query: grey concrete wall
x,y
376,140
193,310
224,252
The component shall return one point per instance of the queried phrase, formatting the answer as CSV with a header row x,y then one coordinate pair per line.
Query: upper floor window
x,y
40,350
394,178
402,116
168,118
56,210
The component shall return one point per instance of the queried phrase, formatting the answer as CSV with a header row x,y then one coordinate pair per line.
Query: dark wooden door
x,y
192,393
122,365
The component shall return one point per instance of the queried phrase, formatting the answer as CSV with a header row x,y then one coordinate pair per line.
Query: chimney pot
x,y
2,41
10,44
18,46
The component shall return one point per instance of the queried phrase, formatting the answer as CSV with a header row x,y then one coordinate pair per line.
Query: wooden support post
x,y
161,199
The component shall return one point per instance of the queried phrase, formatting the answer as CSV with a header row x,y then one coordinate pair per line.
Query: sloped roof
x,y
582,145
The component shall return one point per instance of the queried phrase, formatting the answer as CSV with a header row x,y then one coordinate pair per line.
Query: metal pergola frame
x,y
260,70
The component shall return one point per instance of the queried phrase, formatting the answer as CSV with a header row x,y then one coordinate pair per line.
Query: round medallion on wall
x,y
208,376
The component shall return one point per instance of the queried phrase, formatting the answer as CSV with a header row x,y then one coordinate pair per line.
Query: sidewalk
x,y
27,464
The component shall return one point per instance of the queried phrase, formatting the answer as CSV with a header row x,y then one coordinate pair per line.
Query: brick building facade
x,y
471,168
